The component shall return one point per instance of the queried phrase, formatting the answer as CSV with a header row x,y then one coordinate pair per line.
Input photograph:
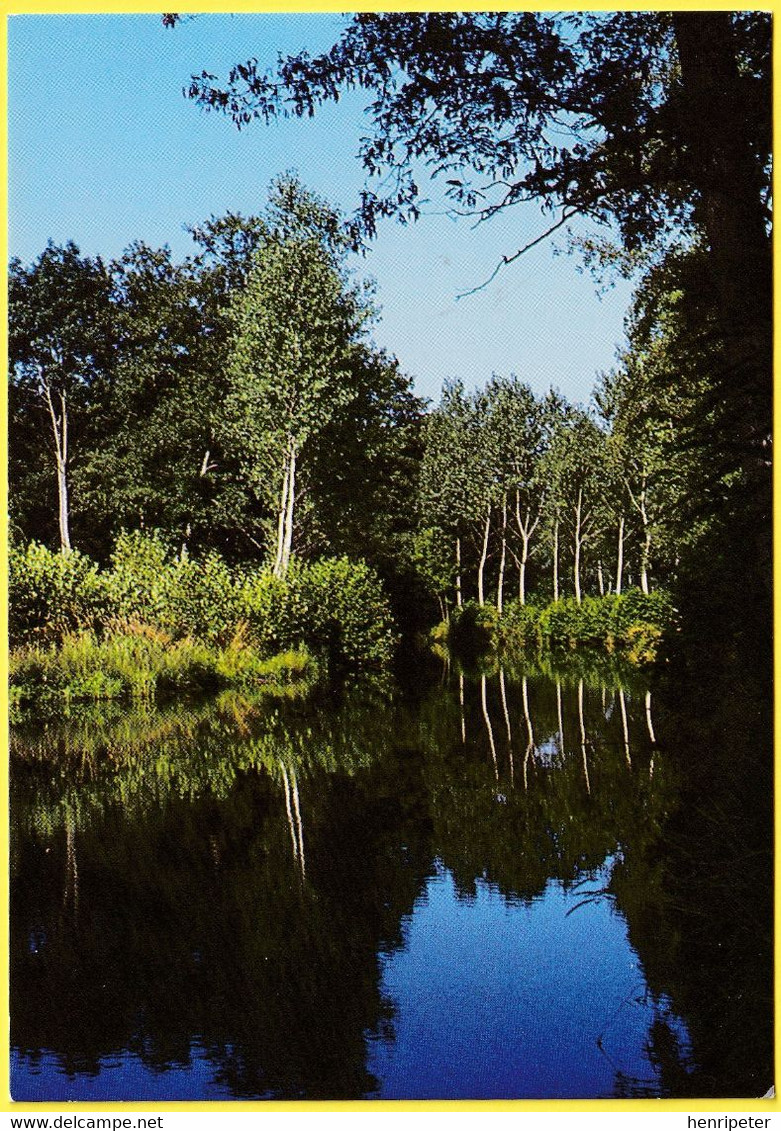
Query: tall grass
x,y
144,664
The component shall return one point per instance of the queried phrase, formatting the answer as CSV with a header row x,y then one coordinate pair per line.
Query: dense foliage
x,y
656,125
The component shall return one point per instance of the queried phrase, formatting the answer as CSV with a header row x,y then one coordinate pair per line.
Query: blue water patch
x,y
495,999
119,1078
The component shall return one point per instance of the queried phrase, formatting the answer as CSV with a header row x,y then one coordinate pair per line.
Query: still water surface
x,y
479,890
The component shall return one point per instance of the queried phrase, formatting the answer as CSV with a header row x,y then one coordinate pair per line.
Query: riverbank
x,y
630,625
143,663
156,624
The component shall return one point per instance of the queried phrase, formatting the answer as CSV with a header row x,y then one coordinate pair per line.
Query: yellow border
x,y
41,7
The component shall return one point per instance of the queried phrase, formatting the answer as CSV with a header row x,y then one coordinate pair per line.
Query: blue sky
x,y
104,149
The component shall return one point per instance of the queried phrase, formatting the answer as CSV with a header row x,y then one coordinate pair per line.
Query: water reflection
x,y
353,897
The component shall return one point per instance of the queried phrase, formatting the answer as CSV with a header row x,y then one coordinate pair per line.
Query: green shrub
x,y
520,624
631,622
52,593
343,611
333,607
472,627
157,622
181,595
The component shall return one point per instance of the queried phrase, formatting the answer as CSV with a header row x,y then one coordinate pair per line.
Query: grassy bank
x,y
630,625
142,663
155,624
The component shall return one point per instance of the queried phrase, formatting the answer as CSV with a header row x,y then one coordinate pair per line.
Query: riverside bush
x,y
472,627
333,607
158,623
52,594
631,622
181,596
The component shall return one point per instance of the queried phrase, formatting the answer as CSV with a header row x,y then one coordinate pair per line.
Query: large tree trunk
x,y
716,104
715,109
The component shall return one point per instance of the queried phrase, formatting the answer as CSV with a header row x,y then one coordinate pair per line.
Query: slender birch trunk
x,y
578,514
60,432
620,561
281,522
639,503
459,597
525,529
483,556
291,499
556,560
646,553
503,558
522,570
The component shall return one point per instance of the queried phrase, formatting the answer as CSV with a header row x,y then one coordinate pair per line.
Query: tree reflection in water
x,y
234,884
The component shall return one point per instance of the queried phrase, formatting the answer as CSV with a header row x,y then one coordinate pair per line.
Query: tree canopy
x,y
655,125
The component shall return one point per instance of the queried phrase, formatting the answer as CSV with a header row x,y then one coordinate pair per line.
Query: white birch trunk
x,y
60,433
459,597
578,513
620,562
646,553
287,543
281,523
525,529
502,559
483,556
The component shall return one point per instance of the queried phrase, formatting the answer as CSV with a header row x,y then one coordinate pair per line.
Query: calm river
x,y
539,885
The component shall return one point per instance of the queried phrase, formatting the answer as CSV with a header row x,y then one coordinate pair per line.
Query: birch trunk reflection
x,y
581,716
488,726
503,689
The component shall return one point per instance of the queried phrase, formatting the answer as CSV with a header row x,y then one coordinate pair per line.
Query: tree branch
x,y
506,260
